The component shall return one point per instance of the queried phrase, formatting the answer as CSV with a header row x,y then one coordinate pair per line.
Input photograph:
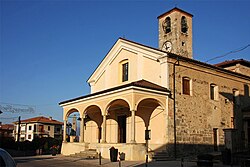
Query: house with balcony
x,y
37,127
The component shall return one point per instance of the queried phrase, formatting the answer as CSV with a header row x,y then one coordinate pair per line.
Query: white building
x,y
38,127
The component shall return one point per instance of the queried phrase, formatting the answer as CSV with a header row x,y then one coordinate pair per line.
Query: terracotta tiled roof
x,y
229,63
41,119
7,126
150,85
175,9
140,83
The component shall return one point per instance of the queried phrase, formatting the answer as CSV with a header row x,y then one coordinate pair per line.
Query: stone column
x,y
104,129
64,130
82,130
132,126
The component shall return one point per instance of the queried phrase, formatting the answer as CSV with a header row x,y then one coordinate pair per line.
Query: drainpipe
x,y
175,150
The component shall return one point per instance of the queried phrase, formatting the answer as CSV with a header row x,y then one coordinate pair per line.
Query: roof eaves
x,y
113,89
175,9
229,63
171,55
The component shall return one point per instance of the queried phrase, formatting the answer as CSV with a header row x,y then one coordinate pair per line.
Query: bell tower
x,y
175,32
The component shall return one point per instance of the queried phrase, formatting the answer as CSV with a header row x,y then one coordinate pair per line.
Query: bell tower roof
x,y
173,10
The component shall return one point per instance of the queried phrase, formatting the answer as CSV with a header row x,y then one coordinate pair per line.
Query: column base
x,y
103,141
132,141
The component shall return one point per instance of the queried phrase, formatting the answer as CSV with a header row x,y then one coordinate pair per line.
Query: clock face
x,y
167,46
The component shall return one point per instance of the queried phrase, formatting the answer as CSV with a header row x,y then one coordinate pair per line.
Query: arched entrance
x,y
92,124
117,121
151,112
72,126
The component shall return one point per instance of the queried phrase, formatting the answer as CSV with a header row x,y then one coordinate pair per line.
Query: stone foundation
x,y
132,152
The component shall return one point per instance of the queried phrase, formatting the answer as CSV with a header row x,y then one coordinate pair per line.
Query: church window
x,y
213,92
125,72
184,26
167,25
186,86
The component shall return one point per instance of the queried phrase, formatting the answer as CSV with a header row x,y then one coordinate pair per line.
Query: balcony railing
x,y
40,132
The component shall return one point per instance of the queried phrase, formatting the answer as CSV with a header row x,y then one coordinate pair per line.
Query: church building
x,y
147,100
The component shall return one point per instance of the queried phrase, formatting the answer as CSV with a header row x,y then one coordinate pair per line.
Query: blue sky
x,y
49,48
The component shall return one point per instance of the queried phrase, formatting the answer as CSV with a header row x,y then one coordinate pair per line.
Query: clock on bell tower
x,y
175,32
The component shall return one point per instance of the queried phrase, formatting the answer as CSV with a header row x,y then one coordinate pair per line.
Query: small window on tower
x,y
167,25
184,26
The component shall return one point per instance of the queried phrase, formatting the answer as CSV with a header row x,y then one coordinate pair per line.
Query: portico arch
x,y
70,128
150,99
92,116
118,113
150,115
119,102
70,111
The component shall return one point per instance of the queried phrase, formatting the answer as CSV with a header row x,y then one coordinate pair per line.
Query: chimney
x,y
50,118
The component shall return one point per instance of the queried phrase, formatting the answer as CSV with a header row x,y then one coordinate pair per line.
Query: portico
x,y
119,117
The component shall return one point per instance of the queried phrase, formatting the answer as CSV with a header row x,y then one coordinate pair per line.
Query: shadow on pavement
x,y
29,159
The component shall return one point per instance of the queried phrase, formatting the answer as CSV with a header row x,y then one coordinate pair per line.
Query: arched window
x,y
184,26
167,25
124,70
214,93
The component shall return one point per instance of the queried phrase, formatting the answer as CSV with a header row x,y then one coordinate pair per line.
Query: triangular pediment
x,y
128,46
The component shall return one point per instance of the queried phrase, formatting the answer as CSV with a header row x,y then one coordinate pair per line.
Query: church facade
x,y
148,100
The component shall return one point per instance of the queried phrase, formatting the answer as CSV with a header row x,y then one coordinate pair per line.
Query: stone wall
x,y
197,115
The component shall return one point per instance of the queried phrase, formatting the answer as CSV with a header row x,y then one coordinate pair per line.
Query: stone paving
x,y
65,161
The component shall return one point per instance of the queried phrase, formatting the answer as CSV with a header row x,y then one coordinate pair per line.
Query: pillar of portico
x,y
82,130
132,126
104,129
64,130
